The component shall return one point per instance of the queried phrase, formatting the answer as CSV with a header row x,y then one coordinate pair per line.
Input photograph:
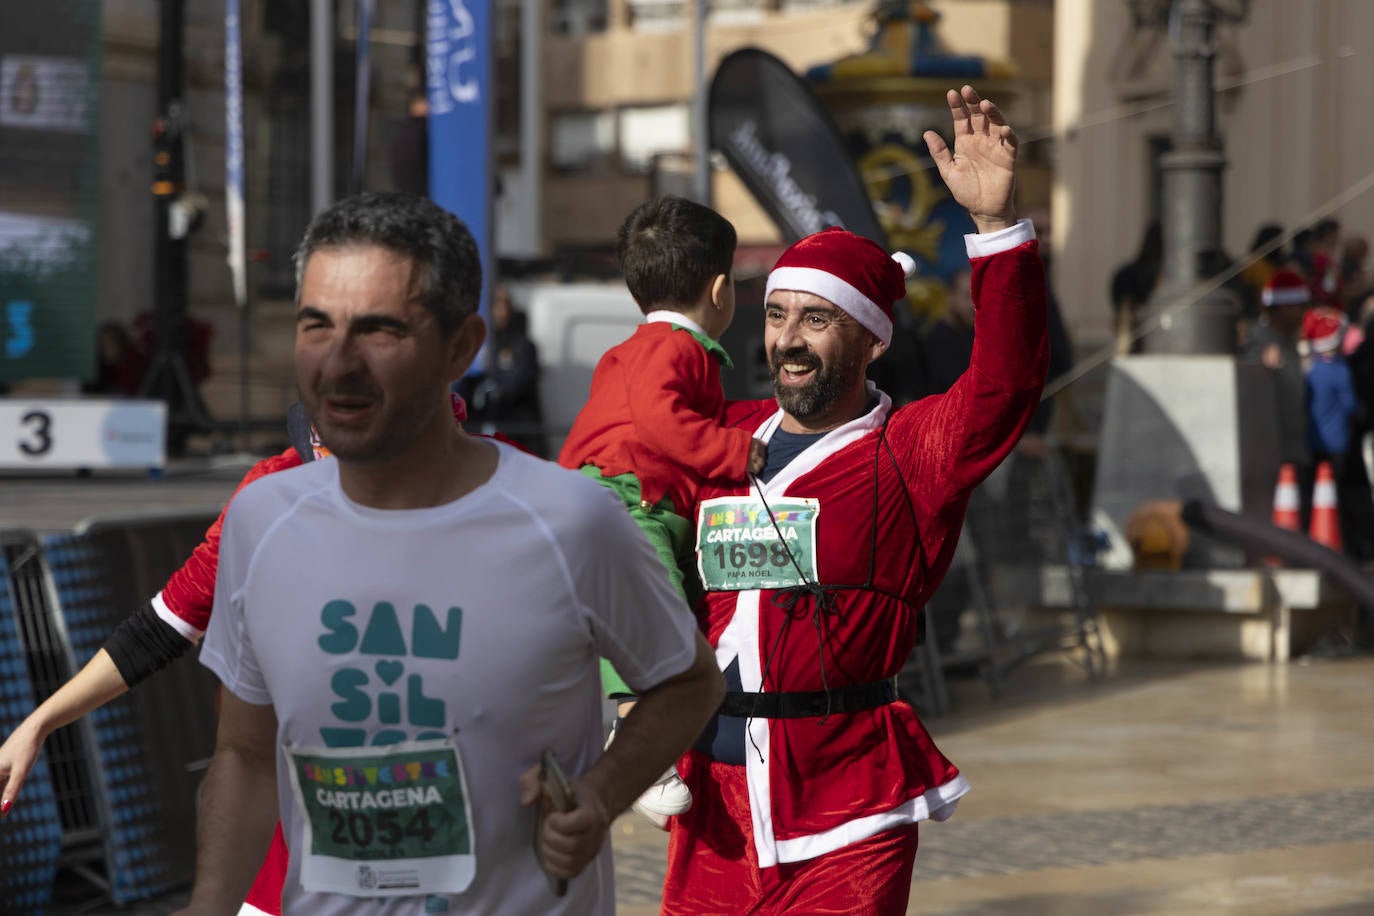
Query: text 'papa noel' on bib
x,y
740,547
384,822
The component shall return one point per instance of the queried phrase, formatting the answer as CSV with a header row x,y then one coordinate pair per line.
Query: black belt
x,y
806,704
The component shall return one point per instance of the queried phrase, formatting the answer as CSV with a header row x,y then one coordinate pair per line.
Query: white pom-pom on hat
x,y
906,262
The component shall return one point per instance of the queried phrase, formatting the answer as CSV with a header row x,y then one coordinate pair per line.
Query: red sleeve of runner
x,y
190,593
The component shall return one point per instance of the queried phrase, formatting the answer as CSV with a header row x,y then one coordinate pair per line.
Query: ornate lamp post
x,y
1192,180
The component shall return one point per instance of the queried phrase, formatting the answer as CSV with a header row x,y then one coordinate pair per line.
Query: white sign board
x,y
53,434
43,93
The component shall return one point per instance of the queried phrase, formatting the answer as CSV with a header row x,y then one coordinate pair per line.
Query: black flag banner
x,y
785,148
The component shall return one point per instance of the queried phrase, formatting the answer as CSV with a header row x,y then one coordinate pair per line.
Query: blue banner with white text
x,y
458,83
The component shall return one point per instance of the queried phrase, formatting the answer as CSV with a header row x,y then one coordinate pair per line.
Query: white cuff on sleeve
x,y
980,245
190,633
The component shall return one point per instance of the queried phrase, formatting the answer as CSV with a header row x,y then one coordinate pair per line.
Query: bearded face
x,y
812,387
817,356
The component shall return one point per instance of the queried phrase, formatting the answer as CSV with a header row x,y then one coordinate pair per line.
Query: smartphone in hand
x,y
555,794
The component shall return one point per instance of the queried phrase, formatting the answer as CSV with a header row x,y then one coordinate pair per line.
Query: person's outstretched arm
x,y
958,438
93,686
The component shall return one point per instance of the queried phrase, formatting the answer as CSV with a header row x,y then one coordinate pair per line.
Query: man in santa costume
x,y
811,781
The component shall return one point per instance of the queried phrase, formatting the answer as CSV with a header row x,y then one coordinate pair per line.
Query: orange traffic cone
x,y
1285,505
1286,499
1326,524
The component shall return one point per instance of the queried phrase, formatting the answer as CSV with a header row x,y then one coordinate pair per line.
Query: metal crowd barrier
x,y
125,777
30,836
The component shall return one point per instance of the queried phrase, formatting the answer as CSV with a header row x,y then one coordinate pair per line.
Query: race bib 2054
x,y
384,821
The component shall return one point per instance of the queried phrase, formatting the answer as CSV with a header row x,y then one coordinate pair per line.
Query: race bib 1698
x,y
740,546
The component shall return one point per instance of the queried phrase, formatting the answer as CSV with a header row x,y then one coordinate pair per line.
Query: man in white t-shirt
x,y
403,629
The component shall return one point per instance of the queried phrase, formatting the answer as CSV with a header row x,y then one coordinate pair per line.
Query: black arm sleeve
x,y
144,644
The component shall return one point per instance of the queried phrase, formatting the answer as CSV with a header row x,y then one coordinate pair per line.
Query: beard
x,y
818,396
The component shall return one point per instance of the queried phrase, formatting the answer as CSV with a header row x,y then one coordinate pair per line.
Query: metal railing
x,y
123,780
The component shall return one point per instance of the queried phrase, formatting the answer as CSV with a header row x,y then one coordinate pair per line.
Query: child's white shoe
x,y
668,796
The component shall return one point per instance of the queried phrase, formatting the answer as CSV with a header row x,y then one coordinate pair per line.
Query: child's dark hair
x,y
670,248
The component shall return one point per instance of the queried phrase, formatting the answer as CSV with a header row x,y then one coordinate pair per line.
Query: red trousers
x,y
713,867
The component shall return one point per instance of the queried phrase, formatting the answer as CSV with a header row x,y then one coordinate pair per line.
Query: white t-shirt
x,y
479,621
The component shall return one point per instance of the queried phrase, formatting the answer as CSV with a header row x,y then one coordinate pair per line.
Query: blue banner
x,y
458,83
233,150
362,93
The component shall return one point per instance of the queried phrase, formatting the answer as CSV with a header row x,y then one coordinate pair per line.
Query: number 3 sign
x,y
56,434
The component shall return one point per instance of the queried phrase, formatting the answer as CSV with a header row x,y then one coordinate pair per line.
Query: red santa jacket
x,y
814,785
655,411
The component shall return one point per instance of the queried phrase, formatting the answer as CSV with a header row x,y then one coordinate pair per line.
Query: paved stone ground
x,y
976,848
1085,838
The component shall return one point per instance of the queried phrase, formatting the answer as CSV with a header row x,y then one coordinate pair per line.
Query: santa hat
x,y
1286,288
848,270
1324,328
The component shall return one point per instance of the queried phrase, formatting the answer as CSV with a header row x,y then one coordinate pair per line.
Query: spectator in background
x,y
409,151
1355,278
505,394
1132,286
1333,417
199,335
1325,276
1274,345
1331,403
120,362
1300,257
1355,491
1362,360
1257,273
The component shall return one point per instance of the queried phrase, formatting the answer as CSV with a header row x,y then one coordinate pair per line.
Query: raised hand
x,y
980,171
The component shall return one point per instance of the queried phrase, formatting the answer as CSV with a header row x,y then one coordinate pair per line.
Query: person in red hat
x,y
1274,344
810,782
1331,400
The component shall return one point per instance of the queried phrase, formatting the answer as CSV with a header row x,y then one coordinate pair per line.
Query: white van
x,y
572,325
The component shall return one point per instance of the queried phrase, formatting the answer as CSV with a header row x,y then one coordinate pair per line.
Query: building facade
x,y
1290,80
610,125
